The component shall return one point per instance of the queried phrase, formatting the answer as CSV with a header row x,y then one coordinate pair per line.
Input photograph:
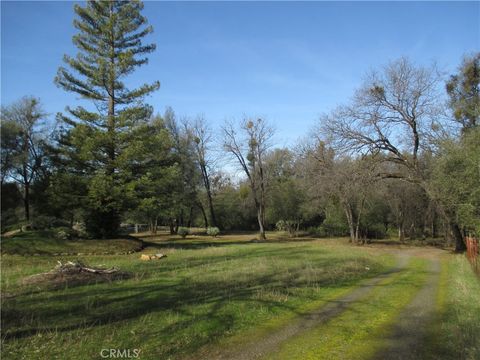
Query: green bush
x,y
317,231
62,234
183,231
291,226
65,233
213,231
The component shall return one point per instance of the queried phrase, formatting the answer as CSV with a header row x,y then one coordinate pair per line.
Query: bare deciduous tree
x,y
202,139
26,155
249,149
389,115
344,180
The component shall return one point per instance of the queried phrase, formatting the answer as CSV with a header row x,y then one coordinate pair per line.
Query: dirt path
x,y
257,349
406,340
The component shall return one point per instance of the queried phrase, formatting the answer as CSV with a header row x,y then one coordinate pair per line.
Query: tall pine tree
x,y
95,139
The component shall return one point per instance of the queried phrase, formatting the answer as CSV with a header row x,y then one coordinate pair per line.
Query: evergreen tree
x,y
94,140
464,92
156,170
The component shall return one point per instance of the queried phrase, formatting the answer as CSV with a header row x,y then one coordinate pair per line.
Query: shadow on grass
x,y
67,310
44,243
189,244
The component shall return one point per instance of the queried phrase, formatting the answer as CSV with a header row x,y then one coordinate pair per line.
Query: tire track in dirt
x,y
259,348
406,340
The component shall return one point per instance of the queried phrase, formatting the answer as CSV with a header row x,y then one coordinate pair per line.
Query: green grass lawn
x,y
198,295
214,293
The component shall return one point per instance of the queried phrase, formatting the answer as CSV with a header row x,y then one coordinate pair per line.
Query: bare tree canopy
x,y
202,138
248,146
23,150
390,114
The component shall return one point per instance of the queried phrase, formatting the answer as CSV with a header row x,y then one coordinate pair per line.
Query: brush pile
x,y
75,273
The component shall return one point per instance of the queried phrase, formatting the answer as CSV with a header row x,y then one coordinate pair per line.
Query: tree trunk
x,y
212,211
26,201
177,225
205,219
357,227
351,226
180,221
261,224
260,207
110,227
458,237
171,225
206,182
401,232
153,226
190,217
401,227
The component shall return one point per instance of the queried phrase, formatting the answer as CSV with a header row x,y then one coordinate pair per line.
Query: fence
x,y
472,253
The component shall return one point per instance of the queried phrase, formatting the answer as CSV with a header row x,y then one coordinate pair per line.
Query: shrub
x,y
9,220
213,231
81,231
42,222
317,231
291,226
280,225
183,232
64,233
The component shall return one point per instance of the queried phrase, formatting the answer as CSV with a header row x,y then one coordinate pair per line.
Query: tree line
x,y
402,157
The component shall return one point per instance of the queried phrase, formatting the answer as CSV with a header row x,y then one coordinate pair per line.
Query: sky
x,y
287,62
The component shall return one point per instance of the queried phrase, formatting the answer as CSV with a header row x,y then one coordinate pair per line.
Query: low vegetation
x,y
356,334
198,295
456,332
46,243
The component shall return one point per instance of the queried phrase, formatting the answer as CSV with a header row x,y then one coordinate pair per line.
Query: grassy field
x,y
355,333
212,293
44,243
202,292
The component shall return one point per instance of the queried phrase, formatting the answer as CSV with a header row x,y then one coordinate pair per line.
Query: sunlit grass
x,y
456,334
357,332
201,294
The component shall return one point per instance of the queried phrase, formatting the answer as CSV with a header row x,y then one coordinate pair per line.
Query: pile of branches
x,y
75,273
77,266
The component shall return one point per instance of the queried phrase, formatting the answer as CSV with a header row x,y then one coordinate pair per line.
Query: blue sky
x,y
285,61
